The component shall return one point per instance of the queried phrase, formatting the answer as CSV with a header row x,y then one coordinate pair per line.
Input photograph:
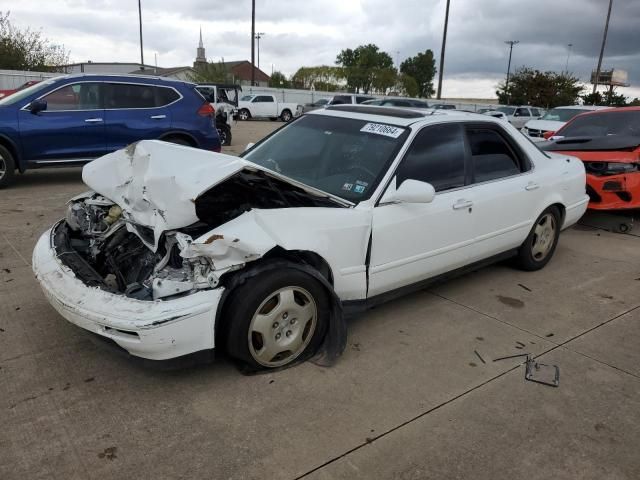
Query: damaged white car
x,y
177,250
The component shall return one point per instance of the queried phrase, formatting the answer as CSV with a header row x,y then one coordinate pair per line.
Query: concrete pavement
x,y
409,399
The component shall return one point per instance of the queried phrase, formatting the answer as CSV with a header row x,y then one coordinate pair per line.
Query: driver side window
x,y
436,156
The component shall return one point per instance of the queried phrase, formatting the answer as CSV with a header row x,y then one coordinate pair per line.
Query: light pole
x,y
511,43
566,67
444,43
253,41
604,40
140,21
259,35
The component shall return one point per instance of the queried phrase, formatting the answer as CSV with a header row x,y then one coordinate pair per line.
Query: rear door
x,y
135,111
71,127
505,193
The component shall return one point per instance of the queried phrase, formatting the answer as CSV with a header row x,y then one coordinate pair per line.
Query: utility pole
x,y
259,35
511,43
398,59
141,49
566,67
604,40
444,43
253,41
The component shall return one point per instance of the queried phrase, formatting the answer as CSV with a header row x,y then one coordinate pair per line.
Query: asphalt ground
x,y
416,394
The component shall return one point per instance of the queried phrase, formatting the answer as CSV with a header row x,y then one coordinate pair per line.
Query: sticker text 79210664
x,y
381,129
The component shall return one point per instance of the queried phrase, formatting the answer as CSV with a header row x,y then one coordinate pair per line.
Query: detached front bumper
x,y
156,330
614,192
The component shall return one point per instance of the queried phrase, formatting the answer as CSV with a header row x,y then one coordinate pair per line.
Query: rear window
x,y
129,95
341,100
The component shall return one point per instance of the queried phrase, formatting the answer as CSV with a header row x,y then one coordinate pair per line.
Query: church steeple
x,y
201,57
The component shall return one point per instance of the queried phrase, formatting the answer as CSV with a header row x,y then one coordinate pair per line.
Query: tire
x,y
7,167
286,116
244,114
266,318
538,248
225,136
178,141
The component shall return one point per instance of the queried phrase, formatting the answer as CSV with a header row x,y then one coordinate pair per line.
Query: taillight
x,y
206,110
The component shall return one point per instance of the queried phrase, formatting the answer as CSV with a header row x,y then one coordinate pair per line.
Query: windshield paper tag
x,y
380,129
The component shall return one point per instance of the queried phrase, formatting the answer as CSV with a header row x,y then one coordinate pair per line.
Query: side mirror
x,y
414,191
37,106
249,145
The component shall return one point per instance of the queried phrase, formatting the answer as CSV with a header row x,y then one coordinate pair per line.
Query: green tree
x,y
609,98
635,102
408,85
422,68
278,80
28,50
322,77
365,68
211,72
543,89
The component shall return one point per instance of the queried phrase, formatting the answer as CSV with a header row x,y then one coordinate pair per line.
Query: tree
x,y
28,50
542,89
422,68
211,72
278,80
408,85
609,98
322,77
366,67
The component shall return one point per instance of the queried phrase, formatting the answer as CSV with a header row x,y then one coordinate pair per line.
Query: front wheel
x,y
7,167
276,318
224,133
538,248
286,116
244,114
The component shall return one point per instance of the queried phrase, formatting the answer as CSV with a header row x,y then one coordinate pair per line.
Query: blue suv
x,y
73,119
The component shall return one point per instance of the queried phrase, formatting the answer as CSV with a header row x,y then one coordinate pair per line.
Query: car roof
x,y
400,116
608,110
580,107
123,77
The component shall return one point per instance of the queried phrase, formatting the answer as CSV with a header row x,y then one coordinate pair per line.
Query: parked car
x,y
554,119
496,114
74,119
6,93
608,142
519,116
349,99
259,256
397,102
224,99
320,103
267,106
444,106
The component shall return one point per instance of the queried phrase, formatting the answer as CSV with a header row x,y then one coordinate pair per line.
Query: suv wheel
x,y
7,167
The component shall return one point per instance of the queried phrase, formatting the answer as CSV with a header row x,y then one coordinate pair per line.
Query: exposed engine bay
x,y
105,249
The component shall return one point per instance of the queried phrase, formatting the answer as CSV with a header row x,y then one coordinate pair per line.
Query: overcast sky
x,y
312,32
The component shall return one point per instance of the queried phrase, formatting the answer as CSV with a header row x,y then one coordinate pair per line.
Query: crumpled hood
x,y
155,183
546,125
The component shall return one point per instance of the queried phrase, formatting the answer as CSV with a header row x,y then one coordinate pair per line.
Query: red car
x,y
6,93
608,142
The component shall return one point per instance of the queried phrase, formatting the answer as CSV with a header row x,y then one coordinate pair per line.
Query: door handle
x,y
158,117
93,120
462,203
532,186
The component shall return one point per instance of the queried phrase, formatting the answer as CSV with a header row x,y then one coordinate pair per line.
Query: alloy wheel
x,y
282,326
3,167
544,237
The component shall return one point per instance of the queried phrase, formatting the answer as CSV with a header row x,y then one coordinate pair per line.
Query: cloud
x,y
312,32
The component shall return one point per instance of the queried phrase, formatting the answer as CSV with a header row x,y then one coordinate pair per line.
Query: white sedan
x,y
177,250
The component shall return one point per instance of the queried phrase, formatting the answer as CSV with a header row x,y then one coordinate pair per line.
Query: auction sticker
x,y
380,129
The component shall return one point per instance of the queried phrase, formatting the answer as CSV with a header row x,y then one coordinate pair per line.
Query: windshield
x,y
341,156
602,124
562,114
27,92
506,110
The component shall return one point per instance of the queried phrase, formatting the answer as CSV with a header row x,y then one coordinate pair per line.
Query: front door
x,y
70,128
264,106
412,242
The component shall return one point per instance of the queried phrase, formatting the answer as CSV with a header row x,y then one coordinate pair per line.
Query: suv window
x,y
341,100
436,156
77,96
491,156
263,99
128,95
522,112
360,99
419,104
165,96
535,112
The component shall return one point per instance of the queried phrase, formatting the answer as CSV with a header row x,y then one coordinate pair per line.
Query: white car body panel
x,y
269,109
156,184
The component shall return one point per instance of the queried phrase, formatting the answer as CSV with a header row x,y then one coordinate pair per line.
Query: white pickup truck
x,y
267,106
